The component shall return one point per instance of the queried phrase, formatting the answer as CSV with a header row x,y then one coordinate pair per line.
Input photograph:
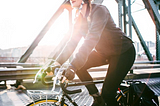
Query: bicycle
x,y
58,98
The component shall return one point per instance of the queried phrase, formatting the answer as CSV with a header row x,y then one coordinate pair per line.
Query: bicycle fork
x,y
62,101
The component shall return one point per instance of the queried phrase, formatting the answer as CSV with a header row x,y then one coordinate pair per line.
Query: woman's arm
x,y
98,22
71,44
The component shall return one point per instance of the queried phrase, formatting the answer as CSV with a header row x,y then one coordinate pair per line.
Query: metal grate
x,y
84,99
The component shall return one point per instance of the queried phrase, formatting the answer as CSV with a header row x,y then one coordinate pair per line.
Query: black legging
x,y
119,65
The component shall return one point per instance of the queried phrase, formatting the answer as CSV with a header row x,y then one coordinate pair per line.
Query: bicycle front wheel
x,y
44,102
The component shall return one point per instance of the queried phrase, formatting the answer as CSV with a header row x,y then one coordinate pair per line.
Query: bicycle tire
x,y
42,102
123,101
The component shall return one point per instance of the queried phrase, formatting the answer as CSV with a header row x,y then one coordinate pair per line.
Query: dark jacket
x,y
100,33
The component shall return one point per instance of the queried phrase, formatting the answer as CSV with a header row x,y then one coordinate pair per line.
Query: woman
x,y
104,43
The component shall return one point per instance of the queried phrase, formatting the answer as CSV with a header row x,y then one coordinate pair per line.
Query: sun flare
x,y
57,31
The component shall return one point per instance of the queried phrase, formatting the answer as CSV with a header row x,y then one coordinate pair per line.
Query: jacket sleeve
x,y
98,22
71,44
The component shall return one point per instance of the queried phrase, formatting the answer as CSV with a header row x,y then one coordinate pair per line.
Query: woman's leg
x,y
118,68
94,60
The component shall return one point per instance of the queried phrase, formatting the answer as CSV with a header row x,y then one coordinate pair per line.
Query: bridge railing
x,y
28,70
24,71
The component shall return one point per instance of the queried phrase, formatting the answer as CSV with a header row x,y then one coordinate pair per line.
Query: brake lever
x,y
35,78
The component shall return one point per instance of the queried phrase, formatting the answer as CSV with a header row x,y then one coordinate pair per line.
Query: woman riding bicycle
x,y
104,43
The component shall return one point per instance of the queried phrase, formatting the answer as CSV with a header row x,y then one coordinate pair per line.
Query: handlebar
x,y
69,91
43,79
64,84
44,75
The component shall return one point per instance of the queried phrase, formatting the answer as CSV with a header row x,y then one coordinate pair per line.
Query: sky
x,y
22,20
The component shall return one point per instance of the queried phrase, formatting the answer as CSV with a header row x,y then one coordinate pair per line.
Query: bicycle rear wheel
x,y
44,102
123,100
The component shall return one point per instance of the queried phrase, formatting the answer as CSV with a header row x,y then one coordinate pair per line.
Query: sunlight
x,y
21,21
57,31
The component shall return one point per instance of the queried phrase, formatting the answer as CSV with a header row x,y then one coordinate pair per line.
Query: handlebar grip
x,y
43,79
69,91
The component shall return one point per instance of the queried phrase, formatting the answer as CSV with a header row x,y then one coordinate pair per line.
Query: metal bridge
x,y
144,69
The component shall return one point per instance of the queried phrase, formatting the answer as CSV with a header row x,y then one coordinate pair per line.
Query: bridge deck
x,y
12,97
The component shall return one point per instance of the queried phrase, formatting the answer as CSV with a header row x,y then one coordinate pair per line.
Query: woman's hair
x,y
88,2
89,6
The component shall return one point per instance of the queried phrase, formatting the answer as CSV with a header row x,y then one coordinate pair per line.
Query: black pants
x,y
119,65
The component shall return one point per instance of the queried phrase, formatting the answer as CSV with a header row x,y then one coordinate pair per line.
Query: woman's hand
x,y
69,73
51,69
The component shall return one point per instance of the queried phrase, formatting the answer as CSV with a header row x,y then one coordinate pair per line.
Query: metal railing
x,y
28,71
